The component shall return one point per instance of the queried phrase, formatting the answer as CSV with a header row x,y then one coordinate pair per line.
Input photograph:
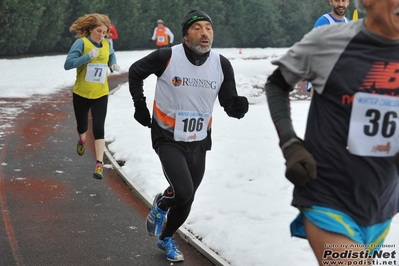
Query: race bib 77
x,y
96,73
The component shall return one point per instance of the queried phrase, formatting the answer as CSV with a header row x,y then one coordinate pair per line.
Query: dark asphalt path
x,y
53,212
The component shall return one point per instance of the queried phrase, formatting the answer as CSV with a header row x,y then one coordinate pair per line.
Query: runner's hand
x,y
238,107
116,68
93,53
240,104
300,164
142,114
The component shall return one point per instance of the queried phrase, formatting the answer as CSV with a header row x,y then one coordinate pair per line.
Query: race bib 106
x,y
191,126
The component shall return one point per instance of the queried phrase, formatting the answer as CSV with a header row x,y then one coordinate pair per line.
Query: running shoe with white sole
x,y
169,245
156,218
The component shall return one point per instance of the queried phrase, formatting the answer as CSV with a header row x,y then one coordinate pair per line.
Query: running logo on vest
x,y
201,83
177,81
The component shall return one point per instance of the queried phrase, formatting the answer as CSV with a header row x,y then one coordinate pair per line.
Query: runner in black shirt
x,y
344,172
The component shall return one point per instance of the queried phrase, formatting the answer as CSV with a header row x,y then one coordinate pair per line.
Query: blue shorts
x,y
338,222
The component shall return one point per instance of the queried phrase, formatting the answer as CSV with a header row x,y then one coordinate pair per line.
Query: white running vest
x,y
330,19
185,95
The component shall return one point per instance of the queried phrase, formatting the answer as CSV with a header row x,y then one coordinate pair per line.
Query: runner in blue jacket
x,y
337,15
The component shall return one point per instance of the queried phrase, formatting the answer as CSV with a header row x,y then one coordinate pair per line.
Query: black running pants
x,y
98,108
184,172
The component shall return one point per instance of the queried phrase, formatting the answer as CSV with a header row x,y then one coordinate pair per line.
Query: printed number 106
x,y
193,124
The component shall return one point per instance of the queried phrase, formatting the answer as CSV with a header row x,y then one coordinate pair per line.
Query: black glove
x,y
238,107
300,164
142,114
240,104
397,161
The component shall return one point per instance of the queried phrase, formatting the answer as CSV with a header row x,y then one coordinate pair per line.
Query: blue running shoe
x,y
170,246
156,218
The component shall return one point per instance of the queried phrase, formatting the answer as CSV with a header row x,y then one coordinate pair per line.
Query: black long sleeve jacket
x,y
156,63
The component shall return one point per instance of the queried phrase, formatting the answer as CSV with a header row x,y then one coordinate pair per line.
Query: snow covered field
x,y
242,209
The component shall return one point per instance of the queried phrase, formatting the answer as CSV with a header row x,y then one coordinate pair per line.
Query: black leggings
x,y
184,172
98,108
